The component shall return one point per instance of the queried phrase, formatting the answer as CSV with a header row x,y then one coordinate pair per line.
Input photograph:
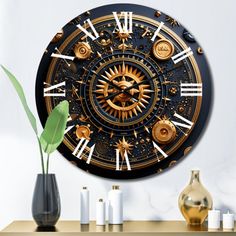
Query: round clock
x,y
138,85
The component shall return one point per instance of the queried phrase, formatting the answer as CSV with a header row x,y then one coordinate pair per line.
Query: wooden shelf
x,y
140,228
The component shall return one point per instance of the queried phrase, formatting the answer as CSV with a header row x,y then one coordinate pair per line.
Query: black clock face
x,y
138,85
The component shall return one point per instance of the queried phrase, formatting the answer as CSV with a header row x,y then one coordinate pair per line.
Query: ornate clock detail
x,y
138,85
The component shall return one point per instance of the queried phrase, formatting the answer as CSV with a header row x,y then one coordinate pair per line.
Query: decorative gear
x,y
163,49
82,50
83,131
163,132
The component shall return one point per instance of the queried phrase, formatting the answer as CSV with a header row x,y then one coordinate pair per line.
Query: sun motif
x,y
122,146
123,106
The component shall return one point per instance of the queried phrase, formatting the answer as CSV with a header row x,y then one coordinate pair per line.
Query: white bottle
x,y
84,206
100,213
115,206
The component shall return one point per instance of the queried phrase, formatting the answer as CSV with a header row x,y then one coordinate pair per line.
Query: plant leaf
x,y
21,95
53,132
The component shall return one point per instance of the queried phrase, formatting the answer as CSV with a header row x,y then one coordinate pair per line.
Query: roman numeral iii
x,y
60,88
95,34
191,89
126,27
182,55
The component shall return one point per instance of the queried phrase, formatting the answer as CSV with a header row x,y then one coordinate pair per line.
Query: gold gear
x,y
82,50
83,131
163,49
163,132
122,106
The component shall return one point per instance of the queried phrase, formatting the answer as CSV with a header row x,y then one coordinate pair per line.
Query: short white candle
x,y
214,219
100,212
228,221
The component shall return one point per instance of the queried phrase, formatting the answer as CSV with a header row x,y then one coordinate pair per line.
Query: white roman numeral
x,y
69,127
93,37
128,25
65,57
188,124
191,89
159,150
182,55
80,147
157,31
61,91
90,154
118,160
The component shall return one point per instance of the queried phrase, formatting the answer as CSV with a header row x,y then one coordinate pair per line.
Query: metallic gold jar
x,y
195,201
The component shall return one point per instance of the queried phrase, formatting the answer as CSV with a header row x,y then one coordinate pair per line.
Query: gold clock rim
x,y
181,43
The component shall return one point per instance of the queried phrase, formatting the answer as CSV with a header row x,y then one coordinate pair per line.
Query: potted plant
x,y
46,200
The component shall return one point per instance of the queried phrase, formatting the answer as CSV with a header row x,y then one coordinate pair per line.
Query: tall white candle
x,y
214,219
84,206
228,221
100,212
115,206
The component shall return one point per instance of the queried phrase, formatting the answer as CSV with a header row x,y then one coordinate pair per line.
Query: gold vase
x,y
195,201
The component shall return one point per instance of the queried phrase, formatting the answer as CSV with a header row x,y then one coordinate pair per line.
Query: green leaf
x,y
53,132
21,95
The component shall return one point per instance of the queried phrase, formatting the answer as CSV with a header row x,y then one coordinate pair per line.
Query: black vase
x,y
46,207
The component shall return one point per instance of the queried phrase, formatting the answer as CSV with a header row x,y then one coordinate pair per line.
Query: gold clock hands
x,y
127,89
154,77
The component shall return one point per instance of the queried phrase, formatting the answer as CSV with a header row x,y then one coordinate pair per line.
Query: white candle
x,y
100,213
115,206
214,219
84,206
228,221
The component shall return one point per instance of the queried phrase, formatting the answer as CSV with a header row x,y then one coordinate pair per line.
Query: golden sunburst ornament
x,y
123,146
123,37
122,106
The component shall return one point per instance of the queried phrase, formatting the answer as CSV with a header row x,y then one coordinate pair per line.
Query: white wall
x,y
27,26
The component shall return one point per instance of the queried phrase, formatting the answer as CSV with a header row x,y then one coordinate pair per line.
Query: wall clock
x,y
138,85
